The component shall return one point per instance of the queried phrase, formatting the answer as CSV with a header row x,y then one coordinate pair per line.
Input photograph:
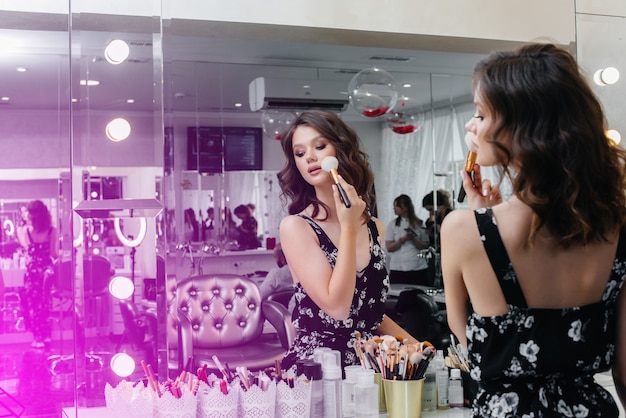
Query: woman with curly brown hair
x,y
335,253
533,284
40,240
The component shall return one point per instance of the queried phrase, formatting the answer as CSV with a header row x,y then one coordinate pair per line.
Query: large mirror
x,y
182,85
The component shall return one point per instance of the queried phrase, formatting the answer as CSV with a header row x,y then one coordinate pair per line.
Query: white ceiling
x,y
201,73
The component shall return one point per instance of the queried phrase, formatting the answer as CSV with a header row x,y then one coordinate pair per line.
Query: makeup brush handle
x,y
462,192
462,195
344,196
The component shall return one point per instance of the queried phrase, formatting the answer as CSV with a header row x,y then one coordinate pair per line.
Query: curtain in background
x,y
410,161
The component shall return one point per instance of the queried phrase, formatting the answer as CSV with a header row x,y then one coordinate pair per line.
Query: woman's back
x,y
549,276
538,355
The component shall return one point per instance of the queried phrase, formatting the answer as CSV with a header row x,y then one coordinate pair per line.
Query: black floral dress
x,y
541,362
315,328
35,295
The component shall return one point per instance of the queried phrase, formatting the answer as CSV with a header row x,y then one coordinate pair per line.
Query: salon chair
x,y
282,296
139,330
97,273
223,315
418,313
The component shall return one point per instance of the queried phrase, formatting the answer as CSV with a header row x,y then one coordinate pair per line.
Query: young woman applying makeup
x,y
336,254
533,284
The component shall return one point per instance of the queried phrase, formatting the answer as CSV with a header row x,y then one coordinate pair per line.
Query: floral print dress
x,y
315,328
35,295
541,362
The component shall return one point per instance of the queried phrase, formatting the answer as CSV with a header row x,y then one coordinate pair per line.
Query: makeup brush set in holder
x,y
394,357
268,393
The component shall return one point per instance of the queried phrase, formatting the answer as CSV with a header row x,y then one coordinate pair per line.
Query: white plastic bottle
x,y
313,372
455,389
429,395
441,372
366,395
347,389
331,385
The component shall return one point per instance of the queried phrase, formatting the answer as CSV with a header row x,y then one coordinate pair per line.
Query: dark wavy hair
x,y
405,201
39,216
567,170
353,163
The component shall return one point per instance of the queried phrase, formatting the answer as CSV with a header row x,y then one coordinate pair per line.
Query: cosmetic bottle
x,y
318,354
429,395
331,385
366,395
455,389
441,376
313,372
347,389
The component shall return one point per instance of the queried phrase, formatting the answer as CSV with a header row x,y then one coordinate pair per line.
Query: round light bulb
x,y
121,287
122,364
606,76
614,136
118,129
116,52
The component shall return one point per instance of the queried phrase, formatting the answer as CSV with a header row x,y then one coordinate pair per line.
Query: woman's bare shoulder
x,y
457,220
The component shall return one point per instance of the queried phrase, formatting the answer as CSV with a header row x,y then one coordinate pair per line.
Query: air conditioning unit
x,y
288,94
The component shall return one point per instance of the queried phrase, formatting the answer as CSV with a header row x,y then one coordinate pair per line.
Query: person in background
x,y
208,224
543,271
251,207
335,253
404,238
278,278
40,239
248,238
192,226
433,223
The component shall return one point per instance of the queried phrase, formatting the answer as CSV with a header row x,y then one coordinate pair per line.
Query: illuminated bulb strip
x,y
143,227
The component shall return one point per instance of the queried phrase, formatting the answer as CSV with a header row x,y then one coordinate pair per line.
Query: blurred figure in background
x,y
40,239
278,278
404,238
433,223
248,238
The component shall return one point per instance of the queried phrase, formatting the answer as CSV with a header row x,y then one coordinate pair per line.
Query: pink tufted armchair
x,y
223,315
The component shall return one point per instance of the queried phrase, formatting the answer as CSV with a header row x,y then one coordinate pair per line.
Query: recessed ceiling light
x,y
407,85
238,105
90,83
306,86
130,101
74,100
5,98
21,69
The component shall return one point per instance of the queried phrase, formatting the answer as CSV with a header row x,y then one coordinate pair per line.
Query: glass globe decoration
x,y
275,122
372,92
406,117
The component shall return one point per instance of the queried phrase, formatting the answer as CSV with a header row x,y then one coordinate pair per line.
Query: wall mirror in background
x,y
199,84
